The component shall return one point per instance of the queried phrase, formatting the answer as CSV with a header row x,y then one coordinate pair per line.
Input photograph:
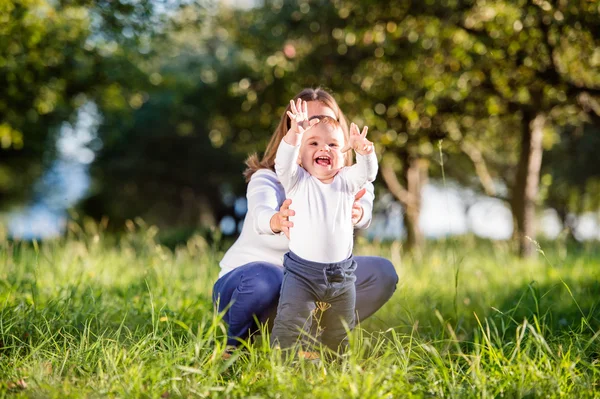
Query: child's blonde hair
x,y
332,123
268,160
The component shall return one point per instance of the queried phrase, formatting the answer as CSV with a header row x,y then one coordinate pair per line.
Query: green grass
x,y
92,316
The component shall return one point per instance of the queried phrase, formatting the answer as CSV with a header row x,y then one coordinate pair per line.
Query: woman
x,y
251,270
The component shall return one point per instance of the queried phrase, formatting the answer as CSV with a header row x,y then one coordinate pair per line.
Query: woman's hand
x,y
357,209
280,221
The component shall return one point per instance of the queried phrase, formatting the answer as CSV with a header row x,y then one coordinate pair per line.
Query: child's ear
x,y
299,160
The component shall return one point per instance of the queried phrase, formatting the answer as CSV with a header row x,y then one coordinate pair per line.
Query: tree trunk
x,y
527,181
415,173
416,177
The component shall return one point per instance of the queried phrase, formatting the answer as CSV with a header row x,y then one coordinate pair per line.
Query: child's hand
x,y
358,141
299,117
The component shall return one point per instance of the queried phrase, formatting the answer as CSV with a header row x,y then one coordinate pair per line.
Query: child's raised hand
x,y
358,141
299,116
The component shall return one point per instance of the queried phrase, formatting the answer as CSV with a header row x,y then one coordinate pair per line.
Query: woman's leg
x,y
252,290
376,280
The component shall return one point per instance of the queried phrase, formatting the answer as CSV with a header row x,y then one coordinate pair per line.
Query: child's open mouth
x,y
323,161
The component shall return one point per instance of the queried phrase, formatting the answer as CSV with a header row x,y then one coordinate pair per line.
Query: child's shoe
x,y
311,357
228,352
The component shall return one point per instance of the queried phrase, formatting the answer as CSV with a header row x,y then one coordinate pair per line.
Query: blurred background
x,y
486,114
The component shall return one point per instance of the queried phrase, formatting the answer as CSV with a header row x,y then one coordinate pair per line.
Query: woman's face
x,y
317,108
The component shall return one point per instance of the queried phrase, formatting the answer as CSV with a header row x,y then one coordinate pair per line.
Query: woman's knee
x,y
257,280
387,272
264,280
379,271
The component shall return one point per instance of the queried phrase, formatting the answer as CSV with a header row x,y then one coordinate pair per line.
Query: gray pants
x,y
312,290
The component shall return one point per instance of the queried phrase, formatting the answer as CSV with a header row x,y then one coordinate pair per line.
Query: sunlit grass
x,y
93,316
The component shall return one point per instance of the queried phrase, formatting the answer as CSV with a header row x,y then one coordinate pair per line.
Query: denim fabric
x,y
253,292
304,284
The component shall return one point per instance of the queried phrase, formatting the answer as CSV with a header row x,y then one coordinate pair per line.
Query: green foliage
x,y
571,173
472,73
165,156
42,57
185,91
54,56
466,71
90,315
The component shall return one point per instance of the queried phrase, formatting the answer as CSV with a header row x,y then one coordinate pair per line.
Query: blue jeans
x,y
253,291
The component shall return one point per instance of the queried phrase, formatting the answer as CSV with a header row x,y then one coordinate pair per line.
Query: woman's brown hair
x,y
268,160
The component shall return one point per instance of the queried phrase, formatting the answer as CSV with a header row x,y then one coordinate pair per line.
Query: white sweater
x,y
257,242
323,230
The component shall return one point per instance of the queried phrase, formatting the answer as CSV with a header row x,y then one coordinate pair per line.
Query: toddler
x,y
319,266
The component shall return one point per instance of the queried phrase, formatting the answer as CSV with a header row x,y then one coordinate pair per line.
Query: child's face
x,y
320,152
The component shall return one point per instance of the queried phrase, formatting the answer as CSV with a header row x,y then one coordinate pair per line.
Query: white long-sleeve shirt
x,y
323,230
257,242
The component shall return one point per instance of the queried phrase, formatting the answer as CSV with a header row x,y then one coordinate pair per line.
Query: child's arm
x,y
365,169
298,114
286,158
286,165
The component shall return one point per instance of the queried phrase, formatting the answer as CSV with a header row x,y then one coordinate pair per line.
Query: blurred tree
x,y
571,174
488,77
53,56
533,74
165,157
315,44
185,94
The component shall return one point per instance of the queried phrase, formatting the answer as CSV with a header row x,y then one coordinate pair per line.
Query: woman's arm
x,y
264,195
361,175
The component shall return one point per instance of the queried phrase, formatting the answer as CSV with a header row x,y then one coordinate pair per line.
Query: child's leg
x,y
294,313
337,318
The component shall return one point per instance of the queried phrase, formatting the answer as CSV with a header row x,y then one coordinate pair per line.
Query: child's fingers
x,y
292,116
346,148
353,129
293,107
364,132
368,147
305,109
308,124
